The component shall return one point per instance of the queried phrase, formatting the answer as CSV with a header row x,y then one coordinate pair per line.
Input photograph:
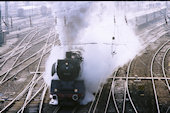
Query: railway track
x,y
159,78
35,75
21,23
117,95
100,98
118,101
64,109
19,46
36,86
16,60
111,94
154,72
152,32
147,83
111,99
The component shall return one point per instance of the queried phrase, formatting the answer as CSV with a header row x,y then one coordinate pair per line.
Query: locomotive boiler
x,y
69,89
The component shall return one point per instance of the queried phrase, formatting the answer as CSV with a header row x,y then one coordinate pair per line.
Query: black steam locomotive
x,y
69,89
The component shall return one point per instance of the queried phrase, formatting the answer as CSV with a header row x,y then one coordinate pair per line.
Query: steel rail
x,y
128,71
101,88
35,75
19,95
13,51
75,109
143,78
23,50
17,59
163,68
17,47
112,92
127,90
57,109
168,109
153,83
46,86
26,58
27,102
42,98
114,100
23,68
124,102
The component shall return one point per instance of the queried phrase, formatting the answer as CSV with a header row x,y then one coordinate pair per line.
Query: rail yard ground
x,y
140,86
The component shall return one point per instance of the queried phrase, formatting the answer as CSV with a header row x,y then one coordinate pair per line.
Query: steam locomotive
x,y
69,89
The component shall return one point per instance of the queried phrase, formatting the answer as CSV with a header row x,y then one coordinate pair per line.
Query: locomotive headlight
x,y
72,56
66,63
55,90
75,90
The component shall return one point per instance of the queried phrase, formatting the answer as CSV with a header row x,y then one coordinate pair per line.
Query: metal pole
x,y
11,22
166,8
1,37
55,20
32,9
6,16
0,19
30,22
65,20
167,4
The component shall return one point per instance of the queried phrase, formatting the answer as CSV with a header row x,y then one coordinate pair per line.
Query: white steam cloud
x,y
57,52
93,22
72,17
